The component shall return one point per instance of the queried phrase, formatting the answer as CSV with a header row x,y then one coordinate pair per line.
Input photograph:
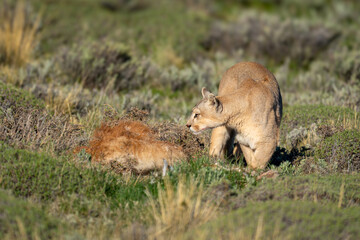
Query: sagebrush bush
x,y
18,34
26,123
193,77
103,66
69,99
332,79
265,35
345,63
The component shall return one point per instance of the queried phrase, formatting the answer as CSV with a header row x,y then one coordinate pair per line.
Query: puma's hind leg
x,y
259,157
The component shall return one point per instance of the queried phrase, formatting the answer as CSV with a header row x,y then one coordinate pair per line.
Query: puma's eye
x,y
196,115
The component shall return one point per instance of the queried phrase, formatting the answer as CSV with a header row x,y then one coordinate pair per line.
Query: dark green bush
x,y
341,151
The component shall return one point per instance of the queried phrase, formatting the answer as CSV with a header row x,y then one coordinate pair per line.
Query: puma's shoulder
x,y
238,76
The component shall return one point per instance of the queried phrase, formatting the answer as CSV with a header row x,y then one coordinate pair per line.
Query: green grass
x,y
321,115
283,220
45,178
322,189
21,219
305,115
203,168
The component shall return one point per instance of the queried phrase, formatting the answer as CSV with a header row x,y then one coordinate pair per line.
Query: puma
x,y
248,109
132,146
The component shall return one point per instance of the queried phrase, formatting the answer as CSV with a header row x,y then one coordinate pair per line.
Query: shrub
x,y
263,35
130,6
329,81
17,34
341,151
103,66
341,66
26,123
345,64
193,77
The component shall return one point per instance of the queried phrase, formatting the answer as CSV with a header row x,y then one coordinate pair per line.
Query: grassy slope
x,y
67,189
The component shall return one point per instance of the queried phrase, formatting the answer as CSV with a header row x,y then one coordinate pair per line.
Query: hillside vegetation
x,y
68,66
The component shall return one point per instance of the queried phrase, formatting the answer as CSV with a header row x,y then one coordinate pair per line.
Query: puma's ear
x,y
219,106
211,99
216,103
205,93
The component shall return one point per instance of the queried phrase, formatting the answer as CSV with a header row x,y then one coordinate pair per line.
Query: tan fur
x,y
248,109
133,146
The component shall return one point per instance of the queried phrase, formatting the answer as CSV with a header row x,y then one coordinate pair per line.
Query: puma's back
x,y
236,76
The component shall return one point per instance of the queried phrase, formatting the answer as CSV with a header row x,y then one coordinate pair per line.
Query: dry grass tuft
x,y
34,129
177,134
179,208
18,35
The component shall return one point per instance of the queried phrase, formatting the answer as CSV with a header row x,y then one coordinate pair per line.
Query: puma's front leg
x,y
259,157
220,141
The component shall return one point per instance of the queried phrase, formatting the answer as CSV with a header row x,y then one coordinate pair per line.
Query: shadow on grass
x,y
282,155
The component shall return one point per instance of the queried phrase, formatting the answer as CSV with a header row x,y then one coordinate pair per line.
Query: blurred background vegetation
x,y
158,55
68,65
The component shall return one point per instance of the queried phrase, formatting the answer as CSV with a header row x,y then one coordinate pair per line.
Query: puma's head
x,y
206,114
